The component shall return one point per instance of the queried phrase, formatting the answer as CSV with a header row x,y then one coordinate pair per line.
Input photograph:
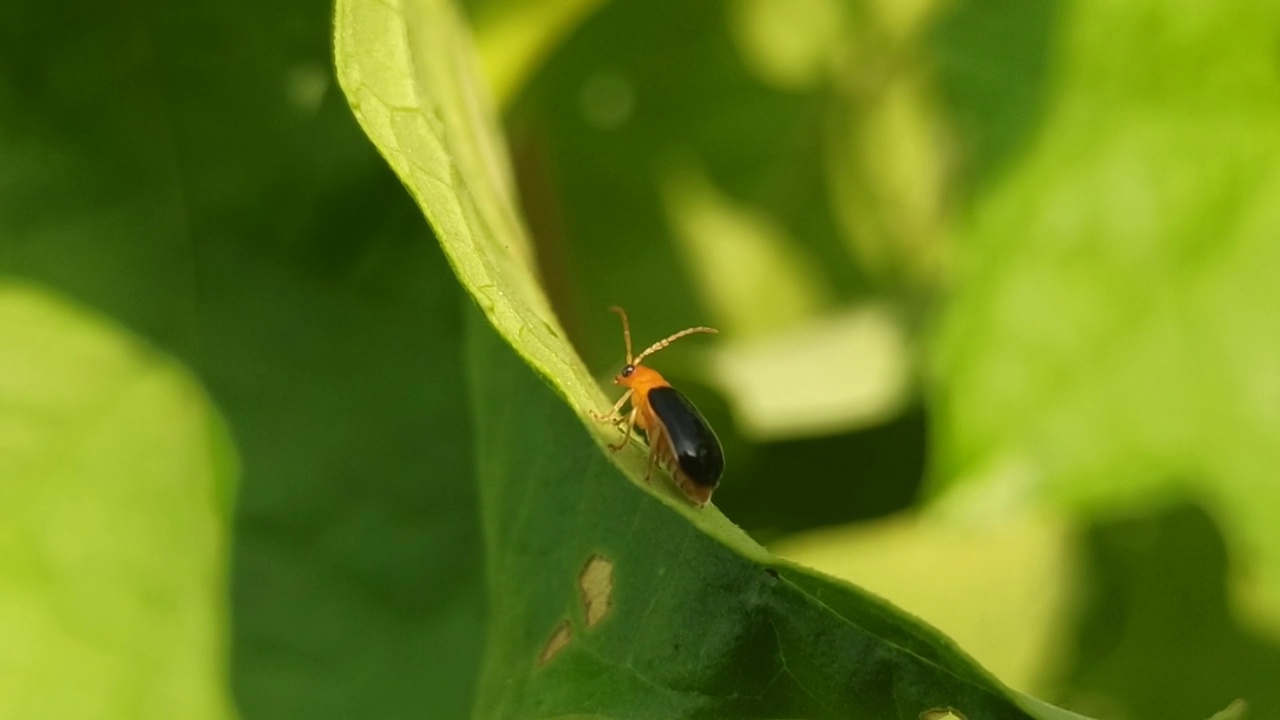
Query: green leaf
x,y
607,598
1157,607
1025,569
607,604
115,509
193,174
1113,338
409,71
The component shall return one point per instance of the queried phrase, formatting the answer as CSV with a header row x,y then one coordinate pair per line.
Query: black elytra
x,y
697,449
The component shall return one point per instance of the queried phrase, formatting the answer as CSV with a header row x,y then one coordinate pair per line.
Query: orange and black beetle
x,y
678,435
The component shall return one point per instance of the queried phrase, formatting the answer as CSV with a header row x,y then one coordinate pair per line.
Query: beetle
x,y
679,437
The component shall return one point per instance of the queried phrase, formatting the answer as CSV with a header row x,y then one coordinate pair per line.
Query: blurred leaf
x,y
1112,339
900,20
515,36
1158,637
115,512
752,278
801,483
888,153
1044,710
359,580
991,65
1237,710
824,376
889,171
600,131
791,46
1003,590
606,603
192,173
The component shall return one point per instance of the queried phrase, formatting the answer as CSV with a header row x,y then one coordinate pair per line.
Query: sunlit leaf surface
x,y
1113,340
115,495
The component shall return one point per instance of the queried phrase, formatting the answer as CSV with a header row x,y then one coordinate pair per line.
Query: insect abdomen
x,y
696,447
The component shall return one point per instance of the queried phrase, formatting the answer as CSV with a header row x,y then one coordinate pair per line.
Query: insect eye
x,y
626,371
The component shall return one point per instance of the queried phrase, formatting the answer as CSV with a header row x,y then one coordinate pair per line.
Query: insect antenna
x,y
667,341
626,330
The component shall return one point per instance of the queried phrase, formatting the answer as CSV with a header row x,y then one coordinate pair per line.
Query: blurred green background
x,y
997,285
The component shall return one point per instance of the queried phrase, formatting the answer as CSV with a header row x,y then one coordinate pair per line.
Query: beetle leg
x,y
626,436
655,442
613,416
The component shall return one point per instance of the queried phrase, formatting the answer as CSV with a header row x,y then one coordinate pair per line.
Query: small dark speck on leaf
x,y
772,573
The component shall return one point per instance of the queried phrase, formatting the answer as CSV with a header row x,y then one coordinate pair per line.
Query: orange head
x,y
633,374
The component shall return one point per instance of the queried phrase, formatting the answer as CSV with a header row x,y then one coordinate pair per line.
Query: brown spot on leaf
x,y
596,585
942,713
557,642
